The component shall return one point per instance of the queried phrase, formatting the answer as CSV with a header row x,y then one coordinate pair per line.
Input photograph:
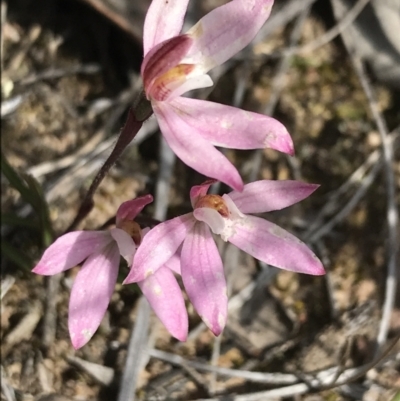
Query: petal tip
x,y
317,268
133,277
313,187
238,187
216,327
318,271
127,281
79,340
79,335
237,183
180,336
41,270
217,330
290,149
76,345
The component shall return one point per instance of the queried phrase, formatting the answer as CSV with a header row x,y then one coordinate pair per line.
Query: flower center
x,y
164,84
215,202
132,229
220,213
162,70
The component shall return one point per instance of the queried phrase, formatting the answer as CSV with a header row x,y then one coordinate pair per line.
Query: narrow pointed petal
x,y
193,149
231,127
71,249
203,277
226,30
165,297
130,209
267,195
164,19
275,246
198,191
91,294
126,246
158,246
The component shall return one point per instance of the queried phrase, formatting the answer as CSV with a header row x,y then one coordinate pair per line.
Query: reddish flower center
x,y
215,202
161,68
164,84
132,229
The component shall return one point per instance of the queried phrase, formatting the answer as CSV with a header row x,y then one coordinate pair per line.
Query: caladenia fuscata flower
x,y
95,282
174,64
201,265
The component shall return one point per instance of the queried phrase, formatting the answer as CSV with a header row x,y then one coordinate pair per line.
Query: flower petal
x,y
130,209
125,243
174,263
164,19
231,127
198,191
165,297
203,277
193,149
274,245
71,249
164,57
226,30
91,294
266,195
191,83
158,246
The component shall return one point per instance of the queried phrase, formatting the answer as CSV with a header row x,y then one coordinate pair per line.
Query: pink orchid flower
x,y
95,281
201,264
175,64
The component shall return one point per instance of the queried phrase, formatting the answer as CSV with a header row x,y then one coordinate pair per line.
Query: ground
x,y
69,74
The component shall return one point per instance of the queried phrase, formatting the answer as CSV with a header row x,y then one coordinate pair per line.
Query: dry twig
x,y
136,351
391,211
278,84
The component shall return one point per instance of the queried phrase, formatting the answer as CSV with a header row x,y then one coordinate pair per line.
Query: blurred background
x,y
328,70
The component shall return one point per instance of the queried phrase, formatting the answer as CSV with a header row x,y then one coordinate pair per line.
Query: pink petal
x,y
163,57
231,127
71,249
266,195
158,246
274,245
174,263
226,30
203,277
91,294
193,149
198,191
164,19
165,297
126,246
130,209
191,83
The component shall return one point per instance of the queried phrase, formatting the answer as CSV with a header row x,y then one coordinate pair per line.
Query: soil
x,y
73,72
